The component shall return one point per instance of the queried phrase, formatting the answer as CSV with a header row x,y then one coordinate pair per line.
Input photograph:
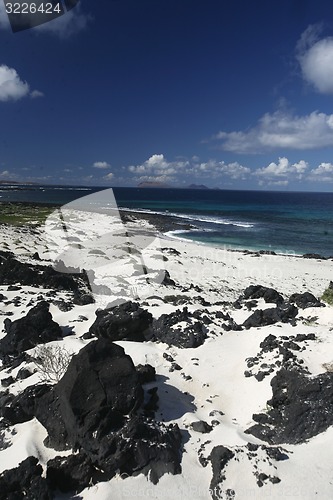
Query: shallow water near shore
x,y
291,223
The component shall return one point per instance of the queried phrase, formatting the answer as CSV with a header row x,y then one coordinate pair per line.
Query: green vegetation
x,y
21,214
328,296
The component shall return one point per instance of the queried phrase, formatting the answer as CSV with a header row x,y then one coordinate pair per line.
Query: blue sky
x,y
231,94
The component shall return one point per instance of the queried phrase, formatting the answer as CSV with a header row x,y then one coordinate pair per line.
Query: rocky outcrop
x,y
13,272
25,481
271,316
301,407
165,329
37,327
127,321
304,300
258,291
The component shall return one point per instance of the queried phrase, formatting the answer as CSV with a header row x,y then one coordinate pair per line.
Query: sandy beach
x,y
244,371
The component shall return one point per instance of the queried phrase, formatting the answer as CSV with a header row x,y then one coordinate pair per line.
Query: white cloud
x,y
323,173
101,164
316,59
283,168
109,176
5,174
281,130
11,86
281,172
35,94
157,168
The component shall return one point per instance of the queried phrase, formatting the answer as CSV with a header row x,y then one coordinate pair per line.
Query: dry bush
x,y
52,362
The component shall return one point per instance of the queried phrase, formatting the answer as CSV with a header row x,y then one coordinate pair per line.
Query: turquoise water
x,y
284,222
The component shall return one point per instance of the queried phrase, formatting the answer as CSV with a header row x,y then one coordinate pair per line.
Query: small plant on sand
x,y
328,294
52,362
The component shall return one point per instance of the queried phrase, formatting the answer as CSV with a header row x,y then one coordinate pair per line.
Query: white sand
x,y
217,367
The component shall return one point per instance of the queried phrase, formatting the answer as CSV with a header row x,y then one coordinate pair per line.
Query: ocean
x,y
284,222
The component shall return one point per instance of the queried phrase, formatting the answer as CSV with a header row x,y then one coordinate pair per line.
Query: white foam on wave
x,y
196,218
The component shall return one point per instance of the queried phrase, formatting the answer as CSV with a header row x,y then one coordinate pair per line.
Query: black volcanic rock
x,y
304,300
13,272
24,482
127,321
99,387
219,457
258,291
37,327
147,373
201,426
165,329
23,407
301,407
271,316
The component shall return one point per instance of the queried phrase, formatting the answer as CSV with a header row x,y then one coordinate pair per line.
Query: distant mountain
x,y
153,184
197,186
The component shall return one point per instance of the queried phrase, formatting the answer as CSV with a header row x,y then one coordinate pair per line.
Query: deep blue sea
x,y
285,222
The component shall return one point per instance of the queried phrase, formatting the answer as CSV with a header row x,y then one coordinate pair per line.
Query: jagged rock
x,y
167,281
23,407
201,426
192,335
13,272
23,373
301,407
127,321
37,327
6,382
304,300
269,343
271,316
219,457
313,256
147,373
258,291
72,473
25,481
99,387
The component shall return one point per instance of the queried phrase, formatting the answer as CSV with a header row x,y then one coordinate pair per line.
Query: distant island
x,y
153,184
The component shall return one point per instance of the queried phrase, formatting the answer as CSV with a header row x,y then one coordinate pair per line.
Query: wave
x,y
195,218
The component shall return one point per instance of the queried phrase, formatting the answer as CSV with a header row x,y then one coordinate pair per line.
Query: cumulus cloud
x,y
101,164
158,169
323,173
12,87
283,168
315,57
109,176
281,130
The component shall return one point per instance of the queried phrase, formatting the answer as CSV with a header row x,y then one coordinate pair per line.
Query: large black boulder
x,y
23,407
24,482
219,457
165,329
258,291
301,407
127,321
271,316
304,300
99,387
37,327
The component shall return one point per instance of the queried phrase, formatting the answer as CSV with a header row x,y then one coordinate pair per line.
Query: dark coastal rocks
x,y
167,280
127,321
219,457
271,316
304,300
13,272
313,256
301,407
25,481
146,373
201,426
23,407
99,387
37,327
258,291
164,329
